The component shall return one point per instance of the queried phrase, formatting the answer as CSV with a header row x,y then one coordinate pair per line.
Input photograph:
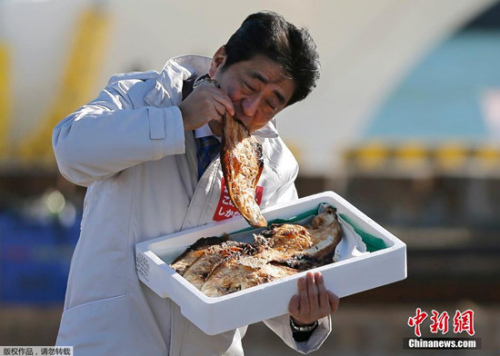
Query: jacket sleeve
x,y
281,326
110,134
286,193
282,162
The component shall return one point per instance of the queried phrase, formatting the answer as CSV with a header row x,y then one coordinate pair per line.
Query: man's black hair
x,y
269,34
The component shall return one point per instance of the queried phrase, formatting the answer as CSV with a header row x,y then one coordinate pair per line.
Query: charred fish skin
x,y
242,165
326,233
193,252
227,277
235,274
302,247
198,272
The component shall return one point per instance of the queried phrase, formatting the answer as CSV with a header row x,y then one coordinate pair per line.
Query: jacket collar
x,y
168,88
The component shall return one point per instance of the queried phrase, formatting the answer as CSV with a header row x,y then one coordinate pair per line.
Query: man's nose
x,y
250,105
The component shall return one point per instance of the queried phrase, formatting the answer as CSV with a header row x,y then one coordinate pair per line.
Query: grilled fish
x,y
302,247
195,251
218,267
235,274
199,270
242,165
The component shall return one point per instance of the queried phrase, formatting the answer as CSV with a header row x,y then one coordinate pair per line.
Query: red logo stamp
x,y
418,319
439,322
462,322
225,208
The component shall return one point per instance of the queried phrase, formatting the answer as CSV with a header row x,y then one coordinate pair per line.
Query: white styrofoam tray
x,y
217,315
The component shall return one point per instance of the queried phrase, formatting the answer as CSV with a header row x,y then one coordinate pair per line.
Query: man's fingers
x,y
214,97
294,305
219,96
323,299
226,102
303,296
314,301
220,111
312,291
334,301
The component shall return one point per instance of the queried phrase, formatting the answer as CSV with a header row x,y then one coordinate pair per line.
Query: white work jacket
x,y
130,149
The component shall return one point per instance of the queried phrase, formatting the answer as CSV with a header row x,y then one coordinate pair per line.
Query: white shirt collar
x,y
203,131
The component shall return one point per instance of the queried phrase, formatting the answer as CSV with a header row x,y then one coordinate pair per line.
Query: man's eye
x,y
272,106
247,86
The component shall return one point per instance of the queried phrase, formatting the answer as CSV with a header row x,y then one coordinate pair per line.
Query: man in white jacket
x,y
135,149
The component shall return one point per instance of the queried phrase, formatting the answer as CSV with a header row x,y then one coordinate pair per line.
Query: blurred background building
x,y
404,123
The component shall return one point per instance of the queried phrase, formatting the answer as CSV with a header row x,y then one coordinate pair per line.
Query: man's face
x,y
259,88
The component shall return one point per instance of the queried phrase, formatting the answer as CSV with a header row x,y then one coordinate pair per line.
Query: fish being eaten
x,y
242,165
219,266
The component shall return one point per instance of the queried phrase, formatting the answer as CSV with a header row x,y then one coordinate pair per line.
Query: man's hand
x,y
313,301
205,103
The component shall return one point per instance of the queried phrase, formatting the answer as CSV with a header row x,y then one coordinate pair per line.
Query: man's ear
x,y
218,61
